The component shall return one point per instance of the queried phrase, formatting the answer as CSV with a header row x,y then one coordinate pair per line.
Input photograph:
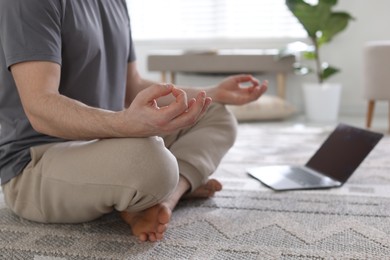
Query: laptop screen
x,y
343,151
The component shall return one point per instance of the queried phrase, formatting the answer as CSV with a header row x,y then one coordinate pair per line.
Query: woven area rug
x,y
245,220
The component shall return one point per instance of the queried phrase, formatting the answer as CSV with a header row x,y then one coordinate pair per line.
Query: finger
x,y
257,92
194,112
153,92
247,78
198,104
180,95
190,116
200,101
177,107
207,103
191,102
259,89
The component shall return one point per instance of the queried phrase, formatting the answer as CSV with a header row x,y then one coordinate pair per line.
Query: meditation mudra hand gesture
x,y
151,119
231,92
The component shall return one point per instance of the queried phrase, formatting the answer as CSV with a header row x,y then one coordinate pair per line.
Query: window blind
x,y
190,19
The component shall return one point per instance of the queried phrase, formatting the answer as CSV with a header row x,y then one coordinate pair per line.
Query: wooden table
x,y
222,61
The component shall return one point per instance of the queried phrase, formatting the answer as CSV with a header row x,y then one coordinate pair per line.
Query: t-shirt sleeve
x,y
30,30
132,56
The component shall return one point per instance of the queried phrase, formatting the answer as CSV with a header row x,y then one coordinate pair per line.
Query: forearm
x,y
54,114
57,115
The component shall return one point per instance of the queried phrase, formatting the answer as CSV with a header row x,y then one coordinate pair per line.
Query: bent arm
x,y
54,114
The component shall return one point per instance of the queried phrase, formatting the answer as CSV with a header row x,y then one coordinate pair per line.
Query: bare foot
x,y
150,224
206,190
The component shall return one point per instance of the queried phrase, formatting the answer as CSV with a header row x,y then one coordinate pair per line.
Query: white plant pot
x,y
322,101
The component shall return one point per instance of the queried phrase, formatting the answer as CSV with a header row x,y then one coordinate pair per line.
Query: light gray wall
x,y
345,51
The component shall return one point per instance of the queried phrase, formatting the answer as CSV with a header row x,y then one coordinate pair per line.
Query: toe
x,y
143,237
152,237
214,185
159,236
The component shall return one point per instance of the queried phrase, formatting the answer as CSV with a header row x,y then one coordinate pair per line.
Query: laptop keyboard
x,y
304,177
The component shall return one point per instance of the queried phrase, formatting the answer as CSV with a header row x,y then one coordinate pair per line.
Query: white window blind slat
x,y
188,19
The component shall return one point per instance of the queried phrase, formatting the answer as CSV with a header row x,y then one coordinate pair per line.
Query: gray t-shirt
x,y
90,39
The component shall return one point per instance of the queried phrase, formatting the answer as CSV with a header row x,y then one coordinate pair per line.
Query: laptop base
x,y
286,177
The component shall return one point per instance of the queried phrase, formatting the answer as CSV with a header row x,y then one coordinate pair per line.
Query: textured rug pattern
x,y
245,220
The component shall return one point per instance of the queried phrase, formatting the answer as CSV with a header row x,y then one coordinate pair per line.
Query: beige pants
x,y
80,181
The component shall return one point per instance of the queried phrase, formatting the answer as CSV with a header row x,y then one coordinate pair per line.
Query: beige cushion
x,y
265,108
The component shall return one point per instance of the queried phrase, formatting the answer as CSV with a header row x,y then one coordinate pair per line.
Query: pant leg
x,y
200,149
80,181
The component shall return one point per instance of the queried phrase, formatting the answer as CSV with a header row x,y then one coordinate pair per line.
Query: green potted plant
x,y
322,24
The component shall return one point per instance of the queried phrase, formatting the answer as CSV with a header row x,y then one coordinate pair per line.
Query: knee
x,y
162,168
154,168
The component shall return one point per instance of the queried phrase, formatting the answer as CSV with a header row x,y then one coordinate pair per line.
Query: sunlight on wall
x,y
178,19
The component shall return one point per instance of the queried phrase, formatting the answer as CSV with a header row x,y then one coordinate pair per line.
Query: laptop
x,y
331,165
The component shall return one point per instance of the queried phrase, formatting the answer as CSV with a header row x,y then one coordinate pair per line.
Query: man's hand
x,y
145,118
230,91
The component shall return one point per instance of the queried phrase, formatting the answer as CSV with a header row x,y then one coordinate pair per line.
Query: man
x,y
83,134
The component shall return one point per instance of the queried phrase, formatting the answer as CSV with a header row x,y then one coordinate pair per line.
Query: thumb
x,y
154,92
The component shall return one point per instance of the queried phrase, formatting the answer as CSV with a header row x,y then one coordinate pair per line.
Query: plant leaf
x,y
312,17
336,23
309,55
331,2
329,71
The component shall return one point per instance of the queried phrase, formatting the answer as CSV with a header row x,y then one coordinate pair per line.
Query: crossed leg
x,y
151,224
